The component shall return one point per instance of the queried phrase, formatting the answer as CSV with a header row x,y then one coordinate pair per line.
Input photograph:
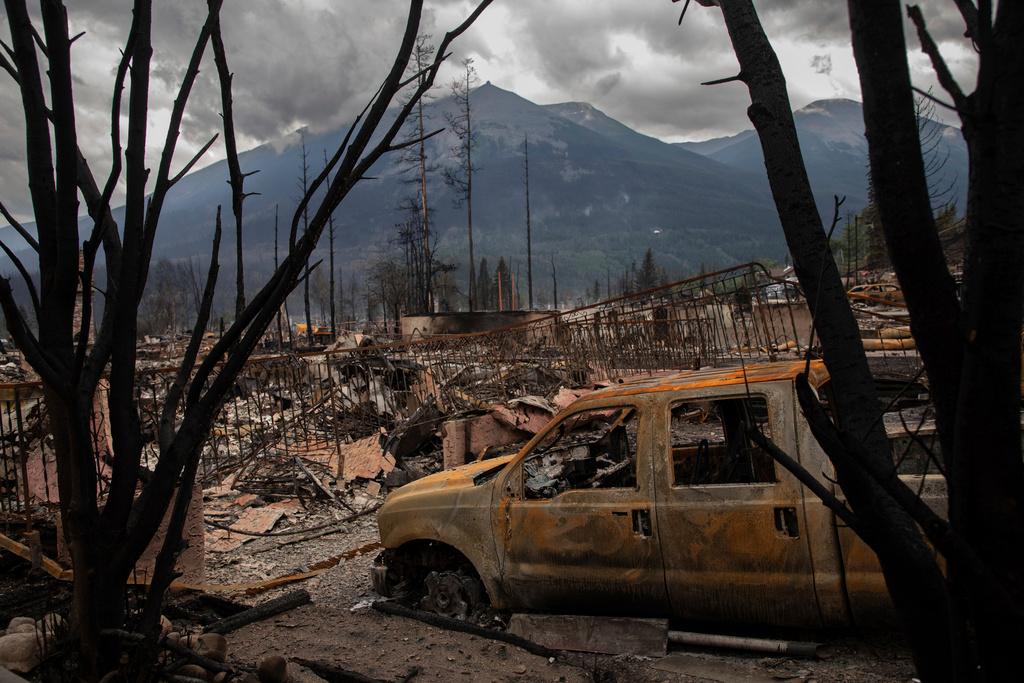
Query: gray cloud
x,y
316,62
822,64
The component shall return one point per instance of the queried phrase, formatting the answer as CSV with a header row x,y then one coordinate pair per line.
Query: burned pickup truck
x,y
647,498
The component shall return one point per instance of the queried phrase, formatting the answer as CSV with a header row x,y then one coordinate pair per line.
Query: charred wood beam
x,y
333,674
176,648
259,612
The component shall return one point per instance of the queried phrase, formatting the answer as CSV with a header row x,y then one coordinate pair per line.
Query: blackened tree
x,y
483,287
416,169
460,176
502,287
529,241
303,186
649,275
107,537
963,625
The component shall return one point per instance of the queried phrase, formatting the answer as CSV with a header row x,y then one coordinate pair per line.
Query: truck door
x,y
735,542
579,532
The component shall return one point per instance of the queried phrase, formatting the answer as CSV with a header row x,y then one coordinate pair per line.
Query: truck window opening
x,y
710,446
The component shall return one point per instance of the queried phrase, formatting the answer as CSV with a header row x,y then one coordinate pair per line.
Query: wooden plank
x,y
732,670
608,635
24,552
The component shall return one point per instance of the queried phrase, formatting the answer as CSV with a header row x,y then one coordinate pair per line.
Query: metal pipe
x,y
786,647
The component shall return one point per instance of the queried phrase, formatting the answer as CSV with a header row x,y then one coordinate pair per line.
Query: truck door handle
x,y
786,523
642,522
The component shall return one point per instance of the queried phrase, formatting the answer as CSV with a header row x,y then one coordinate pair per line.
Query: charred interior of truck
x,y
590,450
710,445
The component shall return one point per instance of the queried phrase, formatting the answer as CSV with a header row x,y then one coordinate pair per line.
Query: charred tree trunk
x,y
913,577
529,249
105,544
280,336
235,176
554,283
971,349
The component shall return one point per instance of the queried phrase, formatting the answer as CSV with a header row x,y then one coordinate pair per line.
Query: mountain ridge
x,y
835,151
601,194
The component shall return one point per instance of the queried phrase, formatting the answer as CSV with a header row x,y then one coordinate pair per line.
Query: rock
x,y
24,628
51,623
273,669
192,671
213,646
249,678
19,652
165,626
20,621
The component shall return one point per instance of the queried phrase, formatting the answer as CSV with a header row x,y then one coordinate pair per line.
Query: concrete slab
x,y
716,669
609,635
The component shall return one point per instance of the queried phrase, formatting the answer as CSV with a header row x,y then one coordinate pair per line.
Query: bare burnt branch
x,y
25,234
730,79
23,336
806,478
162,183
416,141
969,11
195,159
24,276
942,71
236,178
683,13
7,66
38,151
932,98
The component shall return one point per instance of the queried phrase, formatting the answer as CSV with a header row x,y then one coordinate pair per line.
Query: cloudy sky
x,y
316,62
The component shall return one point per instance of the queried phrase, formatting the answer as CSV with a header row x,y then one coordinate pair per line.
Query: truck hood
x,y
460,477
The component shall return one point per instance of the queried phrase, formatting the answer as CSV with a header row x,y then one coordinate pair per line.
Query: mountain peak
x,y
831,105
838,120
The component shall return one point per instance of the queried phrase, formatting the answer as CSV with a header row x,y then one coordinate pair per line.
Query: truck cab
x,y
647,498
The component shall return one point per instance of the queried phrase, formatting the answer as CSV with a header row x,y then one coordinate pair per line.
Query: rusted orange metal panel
x,y
596,514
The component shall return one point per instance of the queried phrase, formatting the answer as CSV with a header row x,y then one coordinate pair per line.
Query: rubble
x,y
366,459
262,611
307,446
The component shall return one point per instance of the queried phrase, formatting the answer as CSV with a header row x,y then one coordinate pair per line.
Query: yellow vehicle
x,y
647,498
877,293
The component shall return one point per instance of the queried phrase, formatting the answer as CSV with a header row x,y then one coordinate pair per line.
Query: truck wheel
x,y
398,582
382,584
451,594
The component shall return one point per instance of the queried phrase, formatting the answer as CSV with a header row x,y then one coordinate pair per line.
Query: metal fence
x,y
286,408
